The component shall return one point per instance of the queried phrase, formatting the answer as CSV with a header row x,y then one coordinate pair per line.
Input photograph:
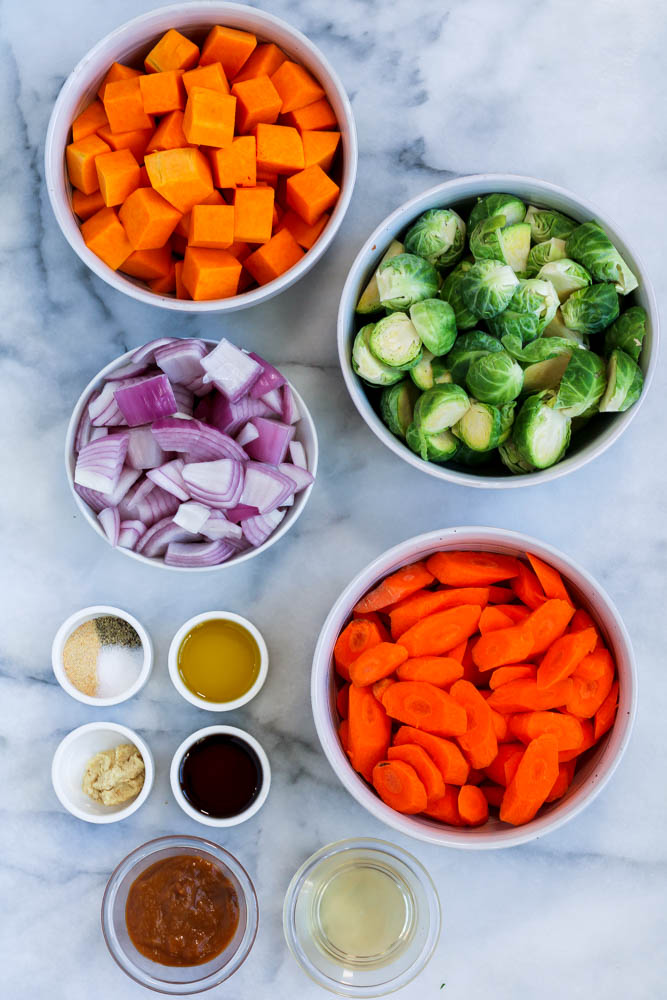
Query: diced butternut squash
x,y
279,149
210,274
319,148
169,134
118,175
211,77
310,193
104,235
135,140
86,205
162,92
182,176
257,100
89,121
264,61
267,177
173,51
183,227
296,86
117,71
148,219
316,116
274,258
212,226
143,177
148,264
235,165
181,290
239,250
80,159
209,118
228,46
124,106
304,234
165,284
253,214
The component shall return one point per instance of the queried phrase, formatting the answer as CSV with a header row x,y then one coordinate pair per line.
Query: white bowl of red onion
x,y
191,455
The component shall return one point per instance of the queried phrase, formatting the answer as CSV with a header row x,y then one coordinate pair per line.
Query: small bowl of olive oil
x,y
218,661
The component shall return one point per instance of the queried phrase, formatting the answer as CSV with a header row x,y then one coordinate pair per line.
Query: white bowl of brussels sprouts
x,y
497,331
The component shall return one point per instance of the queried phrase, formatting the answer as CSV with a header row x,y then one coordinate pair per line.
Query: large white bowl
x,y
589,780
305,433
129,43
592,440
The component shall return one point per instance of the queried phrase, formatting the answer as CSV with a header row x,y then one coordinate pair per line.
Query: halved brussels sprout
x,y
469,347
441,373
525,326
438,236
545,374
590,246
369,301
546,223
439,408
480,427
624,383
451,293
566,276
557,328
431,447
544,253
396,406
422,373
435,323
404,280
582,384
508,205
538,350
495,378
493,239
367,366
627,332
541,434
512,460
591,309
536,296
488,287
394,341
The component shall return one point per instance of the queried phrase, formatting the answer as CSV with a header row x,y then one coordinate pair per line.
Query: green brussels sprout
x,y
541,434
369,301
431,447
469,347
627,332
480,427
525,326
438,236
545,374
624,383
488,287
506,420
565,275
512,460
546,223
396,406
591,309
422,373
557,328
493,239
394,341
435,323
590,246
404,280
508,205
367,366
536,296
495,378
439,408
441,373
451,293
544,253
538,350
582,384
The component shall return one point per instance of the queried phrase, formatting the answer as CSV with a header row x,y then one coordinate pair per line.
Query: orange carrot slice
x,y
534,779
515,672
425,707
343,701
377,662
399,786
517,613
504,646
588,740
503,767
527,587
567,730
380,687
479,742
562,782
355,638
564,656
440,632
446,756
550,579
472,569
591,684
525,696
501,595
606,713
428,773
492,619
426,602
547,623
439,670
500,726
446,809
344,735
370,731
394,588
472,805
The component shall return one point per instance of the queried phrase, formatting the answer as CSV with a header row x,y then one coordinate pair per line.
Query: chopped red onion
x,y
195,554
271,442
241,512
297,453
98,432
143,451
192,516
247,433
300,477
290,411
85,427
265,487
229,417
147,352
130,533
109,518
181,361
135,495
185,400
274,401
154,543
103,409
130,370
169,477
268,380
99,463
98,501
157,505
288,503
218,484
218,526
258,529
147,400
231,370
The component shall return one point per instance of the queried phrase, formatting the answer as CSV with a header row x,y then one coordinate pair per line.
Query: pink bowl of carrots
x,y
474,688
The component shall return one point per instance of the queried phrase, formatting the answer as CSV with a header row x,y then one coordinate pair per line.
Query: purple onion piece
x,y
185,400
130,533
257,529
300,477
100,463
217,484
147,400
268,380
241,512
219,526
157,505
147,352
143,451
230,417
271,443
155,541
195,554
109,518
297,453
274,401
290,411
85,426
181,360
169,477
131,370
231,370
192,516
265,487
136,493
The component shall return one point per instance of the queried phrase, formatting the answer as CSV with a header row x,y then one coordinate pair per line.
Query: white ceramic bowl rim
x,y
69,626
181,16
217,706
254,806
612,747
448,193
290,518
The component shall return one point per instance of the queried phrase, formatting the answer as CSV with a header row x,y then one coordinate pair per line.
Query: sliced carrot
x,y
471,671
479,742
428,773
472,569
516,612
395,587
516,672
567,730
562,782
493,794
476,776
503,767
380,687
492,619
534,779
399,786
472,805
375,663
446,809
525,696
527,587
373,616
564,655
344,735
459,652
550,579
439,670
591,684
504,646
412,609
439,633
370,731
343,701
588,740
425,707
445,754
606,713
500,726
547,623
501,595
355,639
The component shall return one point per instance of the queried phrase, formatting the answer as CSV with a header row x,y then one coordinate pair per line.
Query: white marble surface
x,y
573,92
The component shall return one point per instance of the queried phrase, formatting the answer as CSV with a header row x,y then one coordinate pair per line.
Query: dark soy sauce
x,y
220,775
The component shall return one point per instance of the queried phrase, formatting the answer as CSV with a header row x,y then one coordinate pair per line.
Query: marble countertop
x,y
573,92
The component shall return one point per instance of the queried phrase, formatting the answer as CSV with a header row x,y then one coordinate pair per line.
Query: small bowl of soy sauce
x,y
220,776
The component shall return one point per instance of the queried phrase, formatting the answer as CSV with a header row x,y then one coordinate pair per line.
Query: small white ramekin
x,y
80,618
69,764
177,791
177,680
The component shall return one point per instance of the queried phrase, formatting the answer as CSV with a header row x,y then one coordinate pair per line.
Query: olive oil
x,y
219,660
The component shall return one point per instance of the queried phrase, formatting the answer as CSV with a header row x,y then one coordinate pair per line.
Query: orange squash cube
x,y
212,226
118,175
304,234
135,140
165,284
319,148
182,176
148,264
80,159
210,274
148,219
296,86
89,121
279,149
310,193
240,250
117,71
162,92
257,100
124,106
253,214
169,134
103,234
263,61
209,118
143,177
86,205
274,258
236,165
228,46
183,227
181,290
211,77
314,117
173,51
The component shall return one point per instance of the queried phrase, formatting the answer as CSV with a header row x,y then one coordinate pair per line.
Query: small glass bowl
x,y
382,974
177,980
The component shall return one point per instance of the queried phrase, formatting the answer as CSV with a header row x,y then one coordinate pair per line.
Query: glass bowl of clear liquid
x,y
362,917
